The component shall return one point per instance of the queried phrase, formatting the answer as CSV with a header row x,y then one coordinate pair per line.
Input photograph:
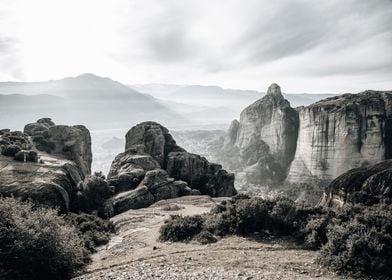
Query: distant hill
x,y
214,96
88,99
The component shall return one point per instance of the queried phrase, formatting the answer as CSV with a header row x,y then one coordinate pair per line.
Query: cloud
x,y
232,43
9,59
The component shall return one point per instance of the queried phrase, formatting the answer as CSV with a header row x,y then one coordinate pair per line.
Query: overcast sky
x,y
305,46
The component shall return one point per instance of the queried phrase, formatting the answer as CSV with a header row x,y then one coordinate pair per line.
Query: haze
x,y
324,47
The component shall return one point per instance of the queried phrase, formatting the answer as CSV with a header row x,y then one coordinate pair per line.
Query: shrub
x,y
360,242
179,228
36,243
28,155
10,150
205,237
315,230
92,229
92,194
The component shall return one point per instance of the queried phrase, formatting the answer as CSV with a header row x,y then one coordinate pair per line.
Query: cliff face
x,y
341,133
263,142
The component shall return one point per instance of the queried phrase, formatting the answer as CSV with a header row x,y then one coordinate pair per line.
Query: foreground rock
x,y
341,133
366,185
262,144
154,167
47,169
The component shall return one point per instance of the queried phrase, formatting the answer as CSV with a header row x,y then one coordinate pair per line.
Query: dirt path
x,y
135,253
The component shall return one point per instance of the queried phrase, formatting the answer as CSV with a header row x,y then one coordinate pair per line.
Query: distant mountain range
x,y
217,97
102,103
86,99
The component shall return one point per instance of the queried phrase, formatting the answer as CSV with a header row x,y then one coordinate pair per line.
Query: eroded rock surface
x,y
262,144
50,181
341,133
72,142
153,167
367,185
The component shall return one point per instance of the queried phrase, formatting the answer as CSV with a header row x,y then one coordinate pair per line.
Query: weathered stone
x,y
154,138
208,178
52,184
366,185
262,144
138,198
53,180
341,133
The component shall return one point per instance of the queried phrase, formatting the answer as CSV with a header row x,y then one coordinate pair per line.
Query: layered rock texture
x,y
262,144
154,167
366,185
274,143
45,163
341,133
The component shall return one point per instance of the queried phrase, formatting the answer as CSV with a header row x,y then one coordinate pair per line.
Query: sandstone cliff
x,y
341,133
262,144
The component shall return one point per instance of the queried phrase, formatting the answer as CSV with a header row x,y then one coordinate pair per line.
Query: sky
x,y
329,46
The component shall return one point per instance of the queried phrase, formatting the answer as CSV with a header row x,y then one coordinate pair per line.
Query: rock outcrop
x,y
366,185
72,142
262,144
341,133
51,180
154,167
44,164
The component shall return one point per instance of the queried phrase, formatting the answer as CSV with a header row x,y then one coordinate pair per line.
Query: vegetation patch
x,y
354,240
36,243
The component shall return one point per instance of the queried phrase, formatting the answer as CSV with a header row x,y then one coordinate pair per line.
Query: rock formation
x,y
46,163
367,185
73,142
341,133
263,142
154,167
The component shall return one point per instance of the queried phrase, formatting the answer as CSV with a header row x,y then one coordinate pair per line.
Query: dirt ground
x,y
134,252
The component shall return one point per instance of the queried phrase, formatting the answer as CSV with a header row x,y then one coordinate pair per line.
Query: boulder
x,y
128,169
155,186
208,178
153,139
140,197
366,185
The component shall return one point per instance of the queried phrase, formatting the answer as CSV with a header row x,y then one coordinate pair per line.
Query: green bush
x,y
179,228
36,243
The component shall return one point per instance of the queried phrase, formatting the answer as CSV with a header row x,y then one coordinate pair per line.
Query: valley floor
x,y
135,253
